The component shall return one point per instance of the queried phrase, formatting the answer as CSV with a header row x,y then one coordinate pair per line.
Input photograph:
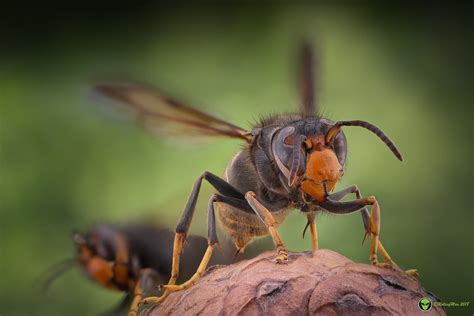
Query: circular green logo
x,y
425,304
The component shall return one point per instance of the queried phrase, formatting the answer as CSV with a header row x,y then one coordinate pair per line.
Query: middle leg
x,y
314,232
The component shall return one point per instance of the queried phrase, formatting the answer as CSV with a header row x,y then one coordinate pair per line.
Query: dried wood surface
x,y
324,284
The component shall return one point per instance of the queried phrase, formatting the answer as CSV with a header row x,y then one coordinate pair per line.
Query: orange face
x,y
321,166
97,269
100,271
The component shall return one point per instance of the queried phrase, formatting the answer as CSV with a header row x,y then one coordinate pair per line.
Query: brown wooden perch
x,y
326,284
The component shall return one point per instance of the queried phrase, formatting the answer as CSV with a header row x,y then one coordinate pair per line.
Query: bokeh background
x,y
67,164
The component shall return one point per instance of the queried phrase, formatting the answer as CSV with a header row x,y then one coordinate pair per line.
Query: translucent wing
x,y
163,115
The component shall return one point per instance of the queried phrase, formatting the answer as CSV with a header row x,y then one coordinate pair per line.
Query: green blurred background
x,y
67,164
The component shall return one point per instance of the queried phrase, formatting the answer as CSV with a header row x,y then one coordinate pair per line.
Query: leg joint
x,y
211,221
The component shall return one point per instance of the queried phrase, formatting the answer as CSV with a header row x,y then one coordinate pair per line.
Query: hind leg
x,y
184,223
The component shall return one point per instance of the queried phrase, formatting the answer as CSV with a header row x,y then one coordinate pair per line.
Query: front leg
x,y
373,226
373,223
337,196
269,221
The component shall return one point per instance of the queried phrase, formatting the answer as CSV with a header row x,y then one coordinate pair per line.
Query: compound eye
x,y
288,149
282,146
